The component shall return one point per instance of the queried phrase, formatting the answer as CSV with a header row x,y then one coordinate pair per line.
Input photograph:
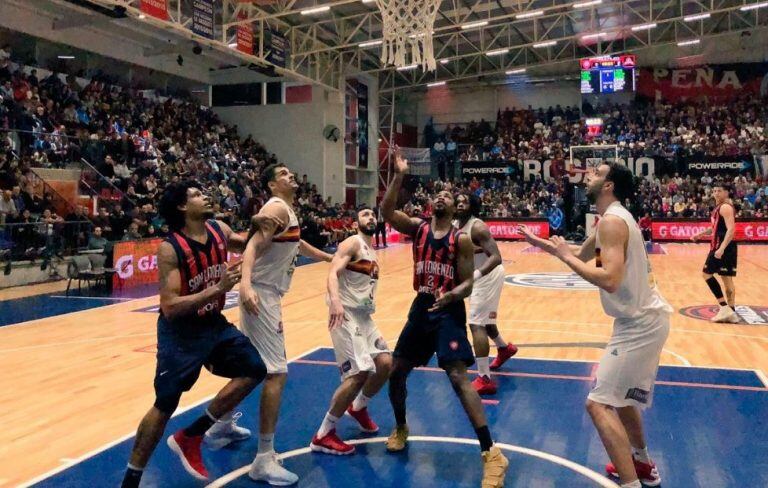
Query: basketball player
x,y
437,320
191,330
722,254
627,370
486,293
361,352
268,264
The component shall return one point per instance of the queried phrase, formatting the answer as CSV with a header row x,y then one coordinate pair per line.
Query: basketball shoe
x,y
268,468
223,433
331,444
398,438
363,420
188,450
503,354
725,314
647,473
484,385
494,468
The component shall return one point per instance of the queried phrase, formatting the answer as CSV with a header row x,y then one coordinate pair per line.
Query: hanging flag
x,y
278,49
155,8
202,18
244,35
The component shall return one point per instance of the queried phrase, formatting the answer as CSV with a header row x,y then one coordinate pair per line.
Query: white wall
x,y
294,132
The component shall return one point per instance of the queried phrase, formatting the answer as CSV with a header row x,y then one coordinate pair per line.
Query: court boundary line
x,y
601,480
111,444
547,376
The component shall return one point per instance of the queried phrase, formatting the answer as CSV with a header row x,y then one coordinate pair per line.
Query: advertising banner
x,y
483,169
746,231
718,83
714,165
155,8
202,18
244,35
506,229
277,48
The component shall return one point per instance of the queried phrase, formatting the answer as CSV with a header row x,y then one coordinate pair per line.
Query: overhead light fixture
x,y
517,71
65,56
691,18
473,25
545,44
315,10
689,43
587,4
370,43
436,83
368,1
232,45
142,16
528,15
407,67
445,61
594,36
643,27
747,8
497,52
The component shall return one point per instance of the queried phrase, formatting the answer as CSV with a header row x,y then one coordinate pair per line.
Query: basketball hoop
x,y
407,28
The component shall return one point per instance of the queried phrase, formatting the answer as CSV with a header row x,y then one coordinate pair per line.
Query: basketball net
x,y
407,28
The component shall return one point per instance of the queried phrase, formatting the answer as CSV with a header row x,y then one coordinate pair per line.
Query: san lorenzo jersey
x,y
358,281
637,294
201,266
719,228
435,261
274,269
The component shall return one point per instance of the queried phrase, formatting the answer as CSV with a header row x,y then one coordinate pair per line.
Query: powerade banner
x,y
746,231
506,229
155,8
202,18
135,262
718,164
485,168
276,48
716,83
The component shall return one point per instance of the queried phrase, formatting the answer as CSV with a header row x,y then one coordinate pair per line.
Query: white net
x,y
407,26
419,160
585,157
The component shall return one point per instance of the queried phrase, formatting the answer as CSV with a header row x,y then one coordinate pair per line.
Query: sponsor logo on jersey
x,y
345,366
233,298
551,280
454,345
749,314
638,395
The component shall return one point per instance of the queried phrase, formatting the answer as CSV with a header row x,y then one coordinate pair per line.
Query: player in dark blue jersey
x,y
192,333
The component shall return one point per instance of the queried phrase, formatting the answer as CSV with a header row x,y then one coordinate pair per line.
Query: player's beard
x,y
367,230
208,213
462,214
440,212
592,193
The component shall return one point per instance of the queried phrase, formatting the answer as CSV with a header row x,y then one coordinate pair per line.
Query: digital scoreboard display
x,y
608,74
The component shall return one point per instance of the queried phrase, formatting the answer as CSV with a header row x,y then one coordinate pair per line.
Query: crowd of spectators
x,y
139,143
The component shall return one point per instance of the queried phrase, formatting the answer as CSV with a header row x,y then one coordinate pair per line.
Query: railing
x,y
96,184
44,239
60,204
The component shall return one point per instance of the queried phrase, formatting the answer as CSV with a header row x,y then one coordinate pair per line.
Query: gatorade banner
x,y
746,231
155,8
506,229
244,35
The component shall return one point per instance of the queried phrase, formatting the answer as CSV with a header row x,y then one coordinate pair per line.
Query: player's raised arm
x,y
397,219
172,303
343,256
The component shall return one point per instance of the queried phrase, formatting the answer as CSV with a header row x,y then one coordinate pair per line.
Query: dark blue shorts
x,y
218,346
443,332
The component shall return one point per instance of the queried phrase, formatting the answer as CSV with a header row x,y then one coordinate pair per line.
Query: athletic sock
x,y
641,455
632,484
222,424
132,477
499,341
714,286
329,423
483,369
266,443
484,436
361,402
199,426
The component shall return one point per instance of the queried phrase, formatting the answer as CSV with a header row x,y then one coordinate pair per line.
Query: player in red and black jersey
x,y
443,265
722,257
192,333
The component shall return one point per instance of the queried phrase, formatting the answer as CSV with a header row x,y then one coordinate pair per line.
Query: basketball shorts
x,y
265,329
725,266
183,351
627,370
443,332
484,301
356,342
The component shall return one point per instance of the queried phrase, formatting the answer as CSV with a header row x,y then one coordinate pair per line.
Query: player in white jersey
x,y
268,264
628,292
361,352
486,293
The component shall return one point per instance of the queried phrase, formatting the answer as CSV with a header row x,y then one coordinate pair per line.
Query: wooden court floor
x,y
75,382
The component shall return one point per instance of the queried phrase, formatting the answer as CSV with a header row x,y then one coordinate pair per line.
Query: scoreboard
x,y
608,74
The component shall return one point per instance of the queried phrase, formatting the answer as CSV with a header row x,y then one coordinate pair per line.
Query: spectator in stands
x,y
133,234
97,240
7,207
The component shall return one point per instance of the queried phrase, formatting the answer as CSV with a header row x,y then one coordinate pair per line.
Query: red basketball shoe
x,y
331,444
503,354
364,421
648,474
484,385
188,450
